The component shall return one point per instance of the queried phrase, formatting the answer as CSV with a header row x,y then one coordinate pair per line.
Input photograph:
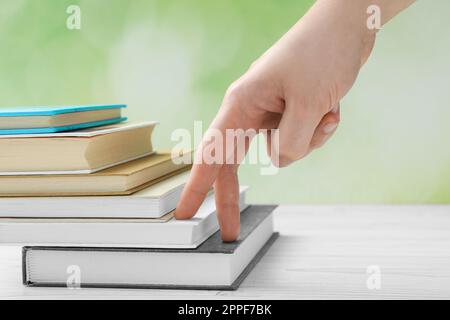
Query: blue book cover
x,y
55,111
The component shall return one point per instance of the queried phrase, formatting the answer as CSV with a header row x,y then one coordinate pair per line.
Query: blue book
x,y
40,120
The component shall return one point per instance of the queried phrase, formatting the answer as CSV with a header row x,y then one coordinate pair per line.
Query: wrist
x,y
358,11
342,20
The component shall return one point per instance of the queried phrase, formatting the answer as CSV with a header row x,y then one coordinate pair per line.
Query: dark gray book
x,y
213,265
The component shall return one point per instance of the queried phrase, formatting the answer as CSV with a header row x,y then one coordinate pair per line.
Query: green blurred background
x,y
172,61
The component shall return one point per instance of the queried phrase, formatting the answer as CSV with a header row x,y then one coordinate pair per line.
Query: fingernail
x,y
330,127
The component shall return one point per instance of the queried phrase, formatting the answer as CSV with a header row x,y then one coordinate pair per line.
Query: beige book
x,y
76,152
123,179
86,220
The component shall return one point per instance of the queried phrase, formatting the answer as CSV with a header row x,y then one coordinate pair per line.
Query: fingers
x,y
226,189
300,131
326,128
296,130
209,159
197,187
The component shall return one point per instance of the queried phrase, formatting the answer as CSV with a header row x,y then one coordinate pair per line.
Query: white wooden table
x,y
323,252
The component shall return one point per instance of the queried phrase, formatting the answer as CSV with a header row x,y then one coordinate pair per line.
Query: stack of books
x,y
82,189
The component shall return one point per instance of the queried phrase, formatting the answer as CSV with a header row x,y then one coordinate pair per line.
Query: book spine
x,y
24,267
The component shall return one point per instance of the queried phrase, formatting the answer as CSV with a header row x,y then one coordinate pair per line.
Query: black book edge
x,y
234,286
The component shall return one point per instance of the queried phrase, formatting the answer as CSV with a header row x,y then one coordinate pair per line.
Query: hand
x,y
296,87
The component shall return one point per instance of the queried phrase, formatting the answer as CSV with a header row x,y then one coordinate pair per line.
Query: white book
x,y
152,202
213,265
115,232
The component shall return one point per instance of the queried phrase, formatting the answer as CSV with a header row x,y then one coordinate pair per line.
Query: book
x,y
213,265
57,119
123,179
164,232
76,152
152,202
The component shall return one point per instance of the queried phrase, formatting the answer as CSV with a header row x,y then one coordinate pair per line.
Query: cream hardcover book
x,y
123,179
75,152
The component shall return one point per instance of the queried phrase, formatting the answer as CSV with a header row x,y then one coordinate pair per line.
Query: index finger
x,y
197,187
204,171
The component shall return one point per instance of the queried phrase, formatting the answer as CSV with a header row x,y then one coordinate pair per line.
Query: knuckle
x,y
318,143
334,118
236,95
